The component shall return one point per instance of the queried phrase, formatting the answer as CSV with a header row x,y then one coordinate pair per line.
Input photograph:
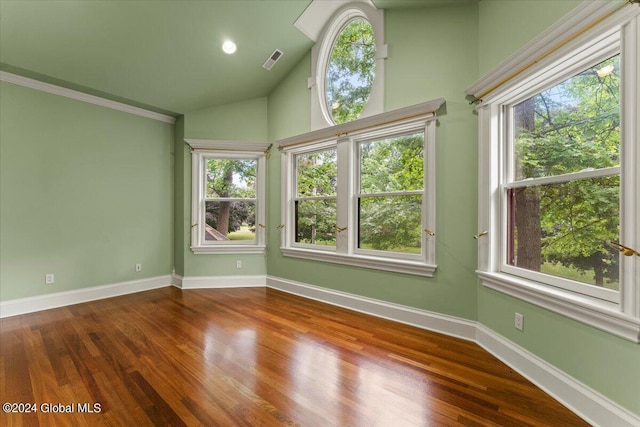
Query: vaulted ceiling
x,y
162,55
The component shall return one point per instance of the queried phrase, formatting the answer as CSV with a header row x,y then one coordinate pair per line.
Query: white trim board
x,y
219,282
84,97
449,325
61,299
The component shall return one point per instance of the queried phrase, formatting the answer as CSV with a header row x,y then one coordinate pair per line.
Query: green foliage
x,y
391,165
316,222
230,178
569,128
351,71
391,223
317,176
317,173
387,220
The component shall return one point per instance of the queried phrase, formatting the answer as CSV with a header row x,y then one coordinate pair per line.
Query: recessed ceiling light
x,y
228,47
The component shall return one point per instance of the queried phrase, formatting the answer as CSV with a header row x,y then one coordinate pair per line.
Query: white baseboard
x,y
592,406
60,299
213,282
449,325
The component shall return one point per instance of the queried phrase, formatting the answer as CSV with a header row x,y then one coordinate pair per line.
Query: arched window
x,y
348,67
350,71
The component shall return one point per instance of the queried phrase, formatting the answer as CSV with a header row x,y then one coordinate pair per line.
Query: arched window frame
x,y
320,56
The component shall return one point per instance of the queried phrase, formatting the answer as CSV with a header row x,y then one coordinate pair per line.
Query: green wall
x,y
505,26
240,121
86,193
600,360
417,71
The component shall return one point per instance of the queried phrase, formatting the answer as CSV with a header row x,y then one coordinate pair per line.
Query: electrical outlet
x,y
138,267
519,321
238,264
49,279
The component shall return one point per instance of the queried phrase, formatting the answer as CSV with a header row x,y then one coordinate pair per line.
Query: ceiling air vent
x,y
271,61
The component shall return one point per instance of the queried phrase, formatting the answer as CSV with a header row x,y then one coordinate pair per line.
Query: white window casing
x,y
202,150
345,138
321,51
595,31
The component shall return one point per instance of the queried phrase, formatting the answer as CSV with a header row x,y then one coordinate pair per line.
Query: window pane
x,y
317,173
392,164
564,230
316,222
572,126
351,71
230,220
231,178
390,223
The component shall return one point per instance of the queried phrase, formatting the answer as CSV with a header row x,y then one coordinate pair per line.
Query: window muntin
x,y
391,189
350,71
562,193
316,197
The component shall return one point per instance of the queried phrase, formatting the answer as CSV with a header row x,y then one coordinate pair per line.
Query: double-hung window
x,y
365,195
228,194
559,179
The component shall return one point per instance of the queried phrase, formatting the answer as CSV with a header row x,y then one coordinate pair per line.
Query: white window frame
x,y
202,150
615,30
321,53
346,138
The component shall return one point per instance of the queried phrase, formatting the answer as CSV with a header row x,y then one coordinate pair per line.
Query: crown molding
x,y
84,97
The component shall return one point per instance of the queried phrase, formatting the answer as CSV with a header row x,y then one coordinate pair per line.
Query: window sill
x,y
386,264
228,249
600,314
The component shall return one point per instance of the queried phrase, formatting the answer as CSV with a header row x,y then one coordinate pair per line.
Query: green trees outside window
x,y
230,199
391,188
315,201
351,70
564,200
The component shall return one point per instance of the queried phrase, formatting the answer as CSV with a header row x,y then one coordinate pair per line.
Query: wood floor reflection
x,y
252,357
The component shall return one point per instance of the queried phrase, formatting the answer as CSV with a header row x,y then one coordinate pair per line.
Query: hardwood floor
x,y
252,357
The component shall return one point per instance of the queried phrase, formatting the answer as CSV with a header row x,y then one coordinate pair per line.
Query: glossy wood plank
x,y
249,357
